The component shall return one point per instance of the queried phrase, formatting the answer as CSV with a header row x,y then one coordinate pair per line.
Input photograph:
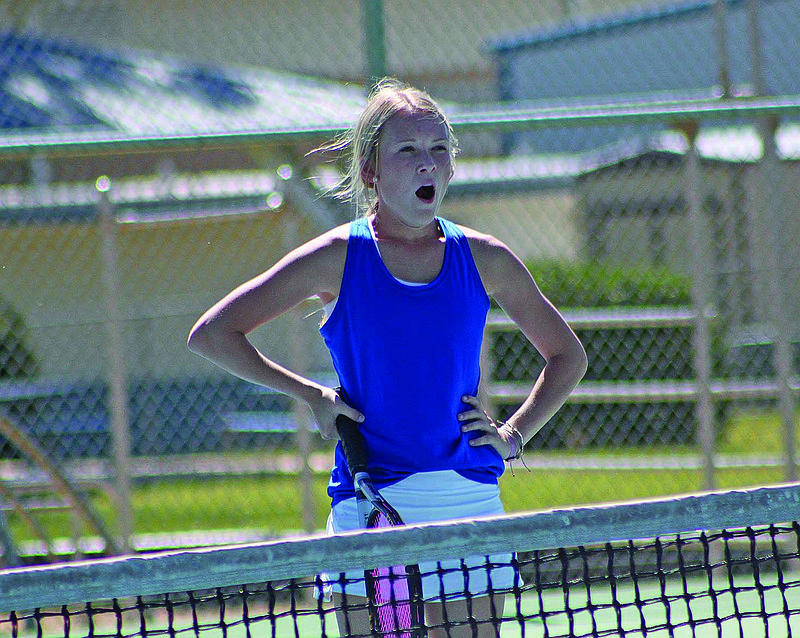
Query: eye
x,y
406,149
440,147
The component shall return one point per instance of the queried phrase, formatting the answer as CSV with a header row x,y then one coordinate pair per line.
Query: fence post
x,y
756,56
701,301
723,59
300,355
374,40
117,370
8,548
774,259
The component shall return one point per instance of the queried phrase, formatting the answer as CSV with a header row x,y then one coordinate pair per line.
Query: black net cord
x,y
117,615
12,617
473,623
564,559
687,598
271,602
345,611
319,585
171,616
518,595
142,617
66,620
221,602
537,561
612,584
195,619
246,612
728,560
776,554
440,571
712,593
293,607
587,583
754,566
89,617
637,594
662,585
493,611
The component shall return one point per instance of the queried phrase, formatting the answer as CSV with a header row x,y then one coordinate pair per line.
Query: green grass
x,y
269,504
272,504
756,432
545,489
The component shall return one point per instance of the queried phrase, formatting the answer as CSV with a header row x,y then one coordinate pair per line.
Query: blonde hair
x,y
359,144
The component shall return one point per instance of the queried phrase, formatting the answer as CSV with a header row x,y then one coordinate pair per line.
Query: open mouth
x,y
426,193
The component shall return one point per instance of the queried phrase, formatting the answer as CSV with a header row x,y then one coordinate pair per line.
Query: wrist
x,y
311,393
515,439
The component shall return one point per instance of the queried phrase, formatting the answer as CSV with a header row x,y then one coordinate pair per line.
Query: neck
x,y
390,228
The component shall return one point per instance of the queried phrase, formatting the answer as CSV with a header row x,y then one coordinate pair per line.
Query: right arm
x,y
220,335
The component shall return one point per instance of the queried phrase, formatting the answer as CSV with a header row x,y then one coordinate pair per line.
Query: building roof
x,y
600,25
147,198
55,86
731,145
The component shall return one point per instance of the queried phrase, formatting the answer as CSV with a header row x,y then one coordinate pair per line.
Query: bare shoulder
x,y
483,244
323,257
508,281
496,262
327,244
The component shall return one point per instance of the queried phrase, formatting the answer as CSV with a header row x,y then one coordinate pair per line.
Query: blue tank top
x,y
405,355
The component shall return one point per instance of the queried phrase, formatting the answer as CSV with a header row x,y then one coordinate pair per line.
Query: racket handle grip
x,y
352,444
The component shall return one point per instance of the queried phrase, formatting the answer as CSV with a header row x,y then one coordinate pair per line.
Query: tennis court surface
x,y
721,564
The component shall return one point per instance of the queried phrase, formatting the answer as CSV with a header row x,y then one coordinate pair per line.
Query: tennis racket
x,y
395,594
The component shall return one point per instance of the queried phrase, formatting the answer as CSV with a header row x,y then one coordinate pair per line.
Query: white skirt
x,y
427,497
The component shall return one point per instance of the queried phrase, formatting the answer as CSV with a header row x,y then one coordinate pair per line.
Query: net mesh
x,y
741,580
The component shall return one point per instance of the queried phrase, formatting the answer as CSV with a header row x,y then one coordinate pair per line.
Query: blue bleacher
x,y
175,416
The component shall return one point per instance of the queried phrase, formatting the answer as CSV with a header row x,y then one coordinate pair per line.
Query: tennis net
x,y
717,564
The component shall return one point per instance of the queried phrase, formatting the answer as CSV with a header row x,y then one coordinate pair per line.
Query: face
x,y
413,169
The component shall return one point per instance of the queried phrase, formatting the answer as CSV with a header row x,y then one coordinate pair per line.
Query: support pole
x,y
775,261
302,417
8,548
117,370
756,55
374,40
701,301
723,59
775,257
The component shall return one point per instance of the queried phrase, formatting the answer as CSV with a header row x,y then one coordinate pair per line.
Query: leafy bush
x,y
583,284
16,359
618,354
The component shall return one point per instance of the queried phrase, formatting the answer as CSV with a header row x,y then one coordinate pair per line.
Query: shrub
x,y
618,354
582,284
16,358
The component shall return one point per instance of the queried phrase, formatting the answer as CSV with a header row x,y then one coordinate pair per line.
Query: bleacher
x,y
175,416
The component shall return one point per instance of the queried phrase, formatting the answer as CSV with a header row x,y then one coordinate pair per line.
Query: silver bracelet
x,y
519,441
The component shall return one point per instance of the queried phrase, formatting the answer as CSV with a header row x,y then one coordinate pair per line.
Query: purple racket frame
x,y
396,607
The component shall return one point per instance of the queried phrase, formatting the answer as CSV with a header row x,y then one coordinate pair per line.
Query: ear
x,y
368,175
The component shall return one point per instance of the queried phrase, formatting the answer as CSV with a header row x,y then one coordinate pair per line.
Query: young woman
x,y
406,296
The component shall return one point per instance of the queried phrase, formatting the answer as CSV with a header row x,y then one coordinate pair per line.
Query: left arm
x,y
508,282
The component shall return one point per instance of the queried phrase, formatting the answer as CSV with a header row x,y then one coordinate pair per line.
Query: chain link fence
x,y
153,156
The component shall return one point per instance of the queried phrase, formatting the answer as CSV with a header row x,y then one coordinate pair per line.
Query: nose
x,y
426,163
